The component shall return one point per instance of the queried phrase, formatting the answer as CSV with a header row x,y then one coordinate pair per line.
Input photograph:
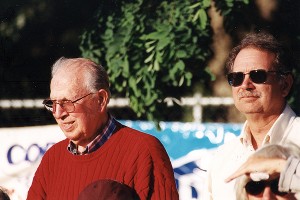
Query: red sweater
x,y
136,159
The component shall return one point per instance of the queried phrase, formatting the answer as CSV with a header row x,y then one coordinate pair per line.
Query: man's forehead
x,y
68,91
249,59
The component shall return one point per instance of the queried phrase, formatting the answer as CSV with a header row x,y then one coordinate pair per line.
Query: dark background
x,y
35,33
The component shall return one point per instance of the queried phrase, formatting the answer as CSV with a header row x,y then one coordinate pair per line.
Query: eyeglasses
x,y
257,187
67,105
257,76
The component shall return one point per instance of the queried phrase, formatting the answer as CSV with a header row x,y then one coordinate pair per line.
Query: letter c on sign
x,y
17,153
9,153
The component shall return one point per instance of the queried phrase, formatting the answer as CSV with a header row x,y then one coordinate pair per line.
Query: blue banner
x,y
180,138
189,145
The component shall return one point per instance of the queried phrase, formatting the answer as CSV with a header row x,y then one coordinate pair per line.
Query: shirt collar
x,y
101,138
275,134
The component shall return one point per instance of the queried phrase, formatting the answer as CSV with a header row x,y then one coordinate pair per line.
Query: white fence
x,y
197,102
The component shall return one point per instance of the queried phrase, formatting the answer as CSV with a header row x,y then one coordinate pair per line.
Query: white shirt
x,y
231,155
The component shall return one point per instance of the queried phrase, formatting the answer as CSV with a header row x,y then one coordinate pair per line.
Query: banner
x,y
189,145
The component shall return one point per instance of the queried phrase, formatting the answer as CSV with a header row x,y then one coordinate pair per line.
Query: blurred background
x,y
152,50
165,60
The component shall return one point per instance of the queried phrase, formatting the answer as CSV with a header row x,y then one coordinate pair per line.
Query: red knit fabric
x,y
136,159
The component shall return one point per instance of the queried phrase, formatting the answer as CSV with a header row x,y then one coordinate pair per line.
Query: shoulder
x,y
292,130
292,120
128,132
297,121
136,135
295,125
134,139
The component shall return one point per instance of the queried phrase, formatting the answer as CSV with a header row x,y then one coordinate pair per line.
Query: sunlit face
x,y
80,126
267,98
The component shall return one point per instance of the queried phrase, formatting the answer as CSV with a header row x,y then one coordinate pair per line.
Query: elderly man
x,y
97,147
260,78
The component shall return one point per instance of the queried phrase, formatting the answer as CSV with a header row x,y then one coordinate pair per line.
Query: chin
x,y
250,109
71,135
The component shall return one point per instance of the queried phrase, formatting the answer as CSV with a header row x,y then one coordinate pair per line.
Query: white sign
x,y
21,150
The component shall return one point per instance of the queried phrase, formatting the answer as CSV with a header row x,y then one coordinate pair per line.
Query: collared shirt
x,y
275,134
231,155
101,138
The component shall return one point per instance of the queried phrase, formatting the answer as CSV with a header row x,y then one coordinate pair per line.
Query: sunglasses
x,y
257,76
257,187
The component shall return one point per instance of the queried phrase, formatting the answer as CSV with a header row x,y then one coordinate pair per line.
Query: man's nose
x,y
59,111
247,82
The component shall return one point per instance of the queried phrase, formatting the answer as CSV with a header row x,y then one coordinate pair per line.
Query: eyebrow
x,y
63,99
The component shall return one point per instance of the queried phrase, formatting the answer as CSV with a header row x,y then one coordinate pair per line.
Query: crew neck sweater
x,y
130,157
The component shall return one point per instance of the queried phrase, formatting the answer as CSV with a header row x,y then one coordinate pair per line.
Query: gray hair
x,y
95,76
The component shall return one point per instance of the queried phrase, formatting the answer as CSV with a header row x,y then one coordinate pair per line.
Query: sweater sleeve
x,y
290,177
163,175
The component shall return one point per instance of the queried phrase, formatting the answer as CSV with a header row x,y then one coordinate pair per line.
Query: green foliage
x,y
34,33
152,49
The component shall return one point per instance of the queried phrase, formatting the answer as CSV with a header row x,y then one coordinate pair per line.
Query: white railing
x,y
197,102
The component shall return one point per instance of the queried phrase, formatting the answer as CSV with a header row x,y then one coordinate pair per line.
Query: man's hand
x,y
271,166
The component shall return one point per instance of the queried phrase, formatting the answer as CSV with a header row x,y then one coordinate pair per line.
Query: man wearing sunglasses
x,y
97,147
259,73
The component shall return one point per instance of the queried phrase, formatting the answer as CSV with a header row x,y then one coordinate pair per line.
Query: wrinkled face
x,y
82,124
249,97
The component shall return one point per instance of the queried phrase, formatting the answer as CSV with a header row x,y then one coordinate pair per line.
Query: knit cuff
x,y
286,175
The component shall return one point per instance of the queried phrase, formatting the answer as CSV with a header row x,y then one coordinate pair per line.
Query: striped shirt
x,y
101,138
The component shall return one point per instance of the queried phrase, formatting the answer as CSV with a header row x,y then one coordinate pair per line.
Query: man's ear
x,y
103,98
286,84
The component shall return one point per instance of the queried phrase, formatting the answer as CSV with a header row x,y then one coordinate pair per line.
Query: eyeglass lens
x,y
257,76
256,188
68,106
